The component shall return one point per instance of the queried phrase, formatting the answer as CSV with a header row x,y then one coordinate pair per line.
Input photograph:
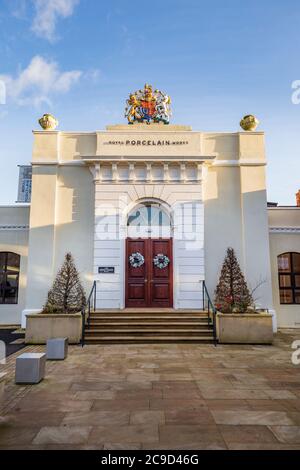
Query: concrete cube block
x,y
57,349
30,368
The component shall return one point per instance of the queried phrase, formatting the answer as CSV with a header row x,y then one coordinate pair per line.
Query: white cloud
x,y
93,75
35,84
18,8
47,14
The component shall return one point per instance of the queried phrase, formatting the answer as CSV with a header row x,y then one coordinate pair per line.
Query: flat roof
x,y
283,207
18,205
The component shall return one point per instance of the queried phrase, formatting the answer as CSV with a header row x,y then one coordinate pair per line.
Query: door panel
x,y
137,291
148,285
160,291
161,287
136,278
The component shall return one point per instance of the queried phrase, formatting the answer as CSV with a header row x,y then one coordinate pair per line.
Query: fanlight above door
x,y
149,221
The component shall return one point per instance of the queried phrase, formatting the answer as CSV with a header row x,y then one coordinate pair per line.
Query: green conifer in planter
x,y
232,293
67,294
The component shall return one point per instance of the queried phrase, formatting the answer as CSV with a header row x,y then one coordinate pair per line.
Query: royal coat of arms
x,y
148,106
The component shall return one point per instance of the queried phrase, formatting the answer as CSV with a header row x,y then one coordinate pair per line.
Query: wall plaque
x,y
106,270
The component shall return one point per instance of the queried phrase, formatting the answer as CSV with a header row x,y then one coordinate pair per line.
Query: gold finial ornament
x,y
249,123
48,122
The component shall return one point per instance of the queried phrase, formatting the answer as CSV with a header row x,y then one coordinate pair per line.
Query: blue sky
x,y
79,59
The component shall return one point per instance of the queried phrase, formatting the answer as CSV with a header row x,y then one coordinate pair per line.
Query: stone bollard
x,y
30,368
57,349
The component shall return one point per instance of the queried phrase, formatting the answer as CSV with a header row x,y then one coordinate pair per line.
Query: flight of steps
x,y
148,326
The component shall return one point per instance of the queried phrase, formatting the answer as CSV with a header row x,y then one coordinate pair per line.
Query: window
x,y
149,219
9,277
149,215
289,278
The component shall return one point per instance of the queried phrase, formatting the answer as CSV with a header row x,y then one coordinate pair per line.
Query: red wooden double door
x,y
149,285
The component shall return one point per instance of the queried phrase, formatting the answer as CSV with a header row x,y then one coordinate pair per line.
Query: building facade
x,y
131,200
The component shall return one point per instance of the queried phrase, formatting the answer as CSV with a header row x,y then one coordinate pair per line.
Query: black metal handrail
x,y
86,311
212,312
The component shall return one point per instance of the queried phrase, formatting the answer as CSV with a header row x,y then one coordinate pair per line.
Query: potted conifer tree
x,y
237,319
61,315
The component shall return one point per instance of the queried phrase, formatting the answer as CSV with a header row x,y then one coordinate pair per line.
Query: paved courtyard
x,y
158,397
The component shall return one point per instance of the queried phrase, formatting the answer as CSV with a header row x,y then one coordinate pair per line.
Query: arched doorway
x,y
149,257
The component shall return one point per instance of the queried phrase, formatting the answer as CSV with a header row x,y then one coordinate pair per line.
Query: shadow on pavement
x,y
8,336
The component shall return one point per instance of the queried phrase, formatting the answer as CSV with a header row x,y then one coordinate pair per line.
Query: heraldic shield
x,y
148,106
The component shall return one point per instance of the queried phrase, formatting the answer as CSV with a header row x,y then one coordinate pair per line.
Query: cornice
x,y
284,229
284,208
250,162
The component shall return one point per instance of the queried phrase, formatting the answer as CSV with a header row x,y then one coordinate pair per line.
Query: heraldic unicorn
x,y
148,106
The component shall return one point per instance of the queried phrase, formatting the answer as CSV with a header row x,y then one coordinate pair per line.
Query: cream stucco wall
x,y
62,220
284,223
14,232
236,210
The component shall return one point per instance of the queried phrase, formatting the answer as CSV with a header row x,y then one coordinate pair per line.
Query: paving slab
x,y
179,396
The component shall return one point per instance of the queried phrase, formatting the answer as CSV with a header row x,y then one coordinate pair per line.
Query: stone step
x,y
148,317
148,321
151,324
150,310
129,339
136,326
164,331
148,314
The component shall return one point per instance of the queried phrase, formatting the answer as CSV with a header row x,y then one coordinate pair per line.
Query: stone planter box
x,y
41,327
245,328
2,379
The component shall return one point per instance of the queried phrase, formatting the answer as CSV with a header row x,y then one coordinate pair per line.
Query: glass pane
x,y
297,296
285,281
13,262
149,221
284,263
159,217
2,261
296,262
286,296
297,281
148,216
10,288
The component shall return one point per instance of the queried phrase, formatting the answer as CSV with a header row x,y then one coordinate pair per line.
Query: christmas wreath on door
x,y
161,261
136,260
